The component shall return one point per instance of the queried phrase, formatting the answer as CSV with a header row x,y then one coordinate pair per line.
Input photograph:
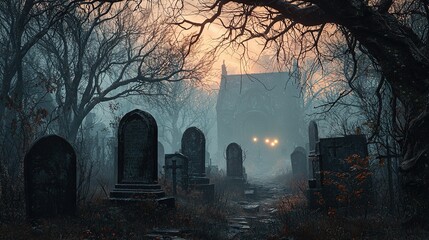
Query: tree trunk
x,y
403,59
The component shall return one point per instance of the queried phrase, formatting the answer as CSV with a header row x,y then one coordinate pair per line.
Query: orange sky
x,y
253,62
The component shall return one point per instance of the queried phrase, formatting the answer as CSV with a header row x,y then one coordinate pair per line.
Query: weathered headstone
x,y
341,167
208,159
299,162
334,152
138,148
137,158
50,178
234,161
194,147
208,163
161,156
181,169
314,190
313,136
234,167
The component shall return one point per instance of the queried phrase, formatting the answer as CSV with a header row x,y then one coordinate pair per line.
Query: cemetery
x,y
337,171
214,120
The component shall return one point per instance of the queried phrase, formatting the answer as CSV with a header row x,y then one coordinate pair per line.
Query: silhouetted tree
x,y
183,105
98,54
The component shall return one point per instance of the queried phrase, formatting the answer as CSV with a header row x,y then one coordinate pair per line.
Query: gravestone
x,y
313,136
234,167
208,158
299,162
314,190
161,156
181,169
194,147
208,163
138,159
138,148
50,178
234,161
333,153
335,165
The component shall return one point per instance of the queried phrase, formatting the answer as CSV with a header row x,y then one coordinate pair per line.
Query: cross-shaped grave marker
x,y
174,167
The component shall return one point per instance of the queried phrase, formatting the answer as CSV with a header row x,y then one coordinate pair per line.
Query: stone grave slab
x,y
161,157
334,158
137,159
234,166
50,178
194,148
327,161
299,162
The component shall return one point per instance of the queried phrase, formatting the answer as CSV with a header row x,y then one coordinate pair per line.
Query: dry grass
x,y
299,222
102,219
106,220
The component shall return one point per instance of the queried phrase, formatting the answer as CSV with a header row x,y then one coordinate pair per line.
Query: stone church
x,y
263,113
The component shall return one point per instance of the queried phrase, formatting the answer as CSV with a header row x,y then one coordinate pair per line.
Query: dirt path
x,y
257,216
254,218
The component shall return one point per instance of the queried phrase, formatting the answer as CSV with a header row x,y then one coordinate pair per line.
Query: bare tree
x,y
23,24
60,59
184,104
23,98
98,54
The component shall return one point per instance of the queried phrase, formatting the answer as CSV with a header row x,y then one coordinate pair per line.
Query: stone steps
x,y
137,186
137,190
133,193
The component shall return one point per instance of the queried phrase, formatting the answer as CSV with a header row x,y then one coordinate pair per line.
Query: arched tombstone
x,y
194,147
138,159
138,148
234,161
299,162
50,178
